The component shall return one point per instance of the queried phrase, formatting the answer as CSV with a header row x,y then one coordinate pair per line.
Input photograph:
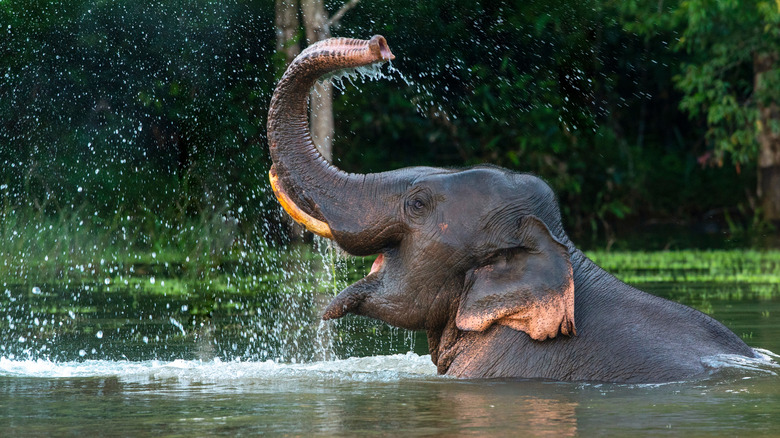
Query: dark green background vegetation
x,y
143,123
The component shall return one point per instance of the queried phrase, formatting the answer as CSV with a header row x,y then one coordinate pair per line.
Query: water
x,y
397,394
227,372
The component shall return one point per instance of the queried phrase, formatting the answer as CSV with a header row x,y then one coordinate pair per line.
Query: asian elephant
x,y
478,258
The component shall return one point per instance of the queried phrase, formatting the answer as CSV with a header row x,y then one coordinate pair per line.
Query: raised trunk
x,y
345,202
768,140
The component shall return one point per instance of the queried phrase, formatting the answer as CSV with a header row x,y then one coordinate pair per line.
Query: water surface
x,y
397,394
152,368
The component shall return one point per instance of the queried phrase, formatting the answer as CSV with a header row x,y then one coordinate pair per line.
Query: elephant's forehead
x,y
481,190
486,181
468,196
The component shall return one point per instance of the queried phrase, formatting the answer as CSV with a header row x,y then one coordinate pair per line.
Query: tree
x,y
317,26
732,79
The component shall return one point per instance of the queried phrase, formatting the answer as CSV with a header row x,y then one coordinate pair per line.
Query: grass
x,y
724,266
72,244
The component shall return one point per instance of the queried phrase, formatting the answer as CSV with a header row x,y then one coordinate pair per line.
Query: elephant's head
x,y
478,246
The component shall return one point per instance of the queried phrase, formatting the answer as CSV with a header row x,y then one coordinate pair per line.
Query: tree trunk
x,y
316,22
287,25
768,140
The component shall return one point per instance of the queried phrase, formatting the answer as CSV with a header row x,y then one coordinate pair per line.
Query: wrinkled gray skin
x,y
441,230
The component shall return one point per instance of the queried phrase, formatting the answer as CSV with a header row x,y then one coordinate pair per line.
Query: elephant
x,y
478,258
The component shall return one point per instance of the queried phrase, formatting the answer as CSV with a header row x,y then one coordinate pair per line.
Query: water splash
x,y
323,346
375,368
371,72
727,365
394,71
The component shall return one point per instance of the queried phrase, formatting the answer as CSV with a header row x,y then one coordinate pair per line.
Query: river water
x,y
140,373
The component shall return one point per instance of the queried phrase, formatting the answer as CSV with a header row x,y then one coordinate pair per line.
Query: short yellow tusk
x,y
314,225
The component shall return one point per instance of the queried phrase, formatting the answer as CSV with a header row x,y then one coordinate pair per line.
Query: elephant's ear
x,y
529,287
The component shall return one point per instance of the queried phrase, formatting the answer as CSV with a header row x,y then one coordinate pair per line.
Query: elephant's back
x,y
646,337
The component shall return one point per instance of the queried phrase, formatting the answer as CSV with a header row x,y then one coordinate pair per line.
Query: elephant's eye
x,y
416,208
418,204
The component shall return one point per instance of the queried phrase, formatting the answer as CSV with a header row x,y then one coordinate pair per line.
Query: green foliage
x,y
157,110
722,40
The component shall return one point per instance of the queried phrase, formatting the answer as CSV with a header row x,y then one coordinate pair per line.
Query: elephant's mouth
x,y
378,264
350,299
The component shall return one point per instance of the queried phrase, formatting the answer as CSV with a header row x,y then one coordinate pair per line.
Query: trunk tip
x,y
378,46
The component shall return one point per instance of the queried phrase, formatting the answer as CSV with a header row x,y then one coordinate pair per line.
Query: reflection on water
x,y
544,414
